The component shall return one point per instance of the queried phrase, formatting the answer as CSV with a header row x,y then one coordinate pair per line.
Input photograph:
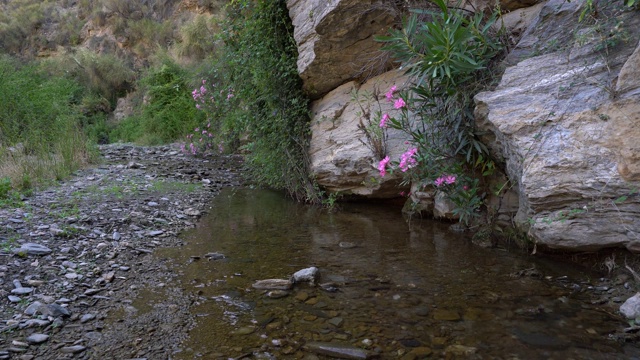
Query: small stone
x,y
272,284
245,330
55,310
302,296
191,212
631,308
37,338
155,233
347,245
336,321
116,236
109,276
277,294
152,203
308,275
90,292
33,308
214,256
14,299
19,343
33,249
22,291
87,317
73,349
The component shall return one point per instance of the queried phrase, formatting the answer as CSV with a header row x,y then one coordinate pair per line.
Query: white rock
x,y
308,275
631,308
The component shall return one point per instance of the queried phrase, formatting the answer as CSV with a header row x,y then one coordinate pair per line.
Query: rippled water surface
x,y
403,290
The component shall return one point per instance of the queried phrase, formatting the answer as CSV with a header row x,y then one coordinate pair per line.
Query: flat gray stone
x,y
22,291
32,249
37,338
272,284
73,349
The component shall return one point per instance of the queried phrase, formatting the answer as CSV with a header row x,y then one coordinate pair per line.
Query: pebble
x,y
87,317
37,338
33,308
22,291
73,349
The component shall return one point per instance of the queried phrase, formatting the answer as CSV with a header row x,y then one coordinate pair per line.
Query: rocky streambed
x,y
75,256
88,270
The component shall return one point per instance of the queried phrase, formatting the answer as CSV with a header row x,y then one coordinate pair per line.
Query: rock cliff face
x,y
335,40
563,120
565,126
340,159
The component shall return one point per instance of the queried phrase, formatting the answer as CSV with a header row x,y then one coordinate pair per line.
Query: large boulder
x,y
565,126
341,160
336,40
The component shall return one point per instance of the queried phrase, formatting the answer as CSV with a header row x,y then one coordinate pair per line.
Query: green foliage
x,y
258,62
197,39
41,134
5,187
169,111
449,58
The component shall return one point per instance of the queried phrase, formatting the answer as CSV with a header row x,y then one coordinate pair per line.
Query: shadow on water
x,y
402,291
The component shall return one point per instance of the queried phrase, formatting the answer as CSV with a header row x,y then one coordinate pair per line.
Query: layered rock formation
x,y
565,126
562,120
335,40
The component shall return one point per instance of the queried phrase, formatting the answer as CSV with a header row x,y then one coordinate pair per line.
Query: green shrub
x,y
257,62
41,135
169,111
449,58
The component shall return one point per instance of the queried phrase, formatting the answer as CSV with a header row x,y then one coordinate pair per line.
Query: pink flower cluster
x,y
398,104
200,143
382,166
445,180
384,120
408,160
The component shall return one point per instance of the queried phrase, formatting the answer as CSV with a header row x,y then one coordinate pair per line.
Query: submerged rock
x,y
342,351
273,284
631,308
308,275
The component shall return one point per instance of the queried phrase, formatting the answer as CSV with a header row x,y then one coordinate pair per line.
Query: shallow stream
x,y
396,289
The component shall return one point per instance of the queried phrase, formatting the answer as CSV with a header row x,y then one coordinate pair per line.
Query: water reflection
x,y
415,291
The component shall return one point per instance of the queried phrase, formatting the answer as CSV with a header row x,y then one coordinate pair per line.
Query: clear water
x,y
404,290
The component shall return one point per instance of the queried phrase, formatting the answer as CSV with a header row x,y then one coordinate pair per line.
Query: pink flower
x,y
399,104
465,188
382,166
407,160
384,120
445,180
389,94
